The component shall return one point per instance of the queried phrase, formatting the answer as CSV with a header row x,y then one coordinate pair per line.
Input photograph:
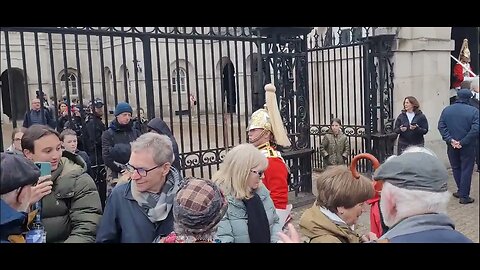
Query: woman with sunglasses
x,y
251,215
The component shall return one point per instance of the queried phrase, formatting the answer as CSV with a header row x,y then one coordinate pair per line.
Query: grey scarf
x,y
158,205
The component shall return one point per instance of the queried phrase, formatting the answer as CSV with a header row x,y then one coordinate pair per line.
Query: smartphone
x,y
45,168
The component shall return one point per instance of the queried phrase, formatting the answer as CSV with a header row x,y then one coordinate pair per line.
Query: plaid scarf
x,y
157,206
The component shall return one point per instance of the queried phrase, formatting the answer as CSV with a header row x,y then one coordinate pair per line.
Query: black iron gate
x,y
285,56
199,80
351,78
206,81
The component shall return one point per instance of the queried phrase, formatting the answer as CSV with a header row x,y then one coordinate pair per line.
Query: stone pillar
x,y
422,70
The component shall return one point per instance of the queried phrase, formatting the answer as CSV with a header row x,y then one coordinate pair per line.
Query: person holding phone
x,y
411,125
16,185
71,207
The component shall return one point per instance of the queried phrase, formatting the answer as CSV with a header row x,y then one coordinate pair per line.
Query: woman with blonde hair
x,y
340,202
251,215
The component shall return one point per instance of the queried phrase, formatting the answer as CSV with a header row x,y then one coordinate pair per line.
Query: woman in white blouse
x,y
411,125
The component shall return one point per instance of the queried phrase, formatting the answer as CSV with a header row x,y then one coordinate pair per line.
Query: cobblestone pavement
x,y
466,217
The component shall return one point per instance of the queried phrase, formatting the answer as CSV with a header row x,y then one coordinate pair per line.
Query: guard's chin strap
x,y
264,131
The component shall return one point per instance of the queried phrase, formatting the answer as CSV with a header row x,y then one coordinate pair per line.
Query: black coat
x,y
161,127
411,137
86,158
93,139
116,144
474,102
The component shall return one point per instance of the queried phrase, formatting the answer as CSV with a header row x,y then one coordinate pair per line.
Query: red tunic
x,y
275,176
460,73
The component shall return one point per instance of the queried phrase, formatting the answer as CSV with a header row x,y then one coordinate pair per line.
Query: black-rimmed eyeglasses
x,y
141,171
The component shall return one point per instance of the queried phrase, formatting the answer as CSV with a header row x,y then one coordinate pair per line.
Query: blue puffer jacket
x,y
124,221
233,226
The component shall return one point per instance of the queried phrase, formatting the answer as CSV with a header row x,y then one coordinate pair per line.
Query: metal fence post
x,y
147,58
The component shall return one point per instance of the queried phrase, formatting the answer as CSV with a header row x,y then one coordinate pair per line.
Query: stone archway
x,y
258,81
13,100
229,91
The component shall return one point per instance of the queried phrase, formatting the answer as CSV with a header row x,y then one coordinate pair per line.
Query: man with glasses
x,y
266,131
141,209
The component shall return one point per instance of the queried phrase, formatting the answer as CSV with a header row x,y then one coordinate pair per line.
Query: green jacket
x,y
72,211
335,149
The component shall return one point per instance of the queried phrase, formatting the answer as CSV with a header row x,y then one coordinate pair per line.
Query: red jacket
x,y
275,176
459,75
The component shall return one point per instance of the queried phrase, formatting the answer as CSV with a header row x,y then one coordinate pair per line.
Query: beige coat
x,y
320,229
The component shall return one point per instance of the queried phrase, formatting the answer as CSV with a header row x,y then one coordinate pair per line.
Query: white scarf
x,y
333,217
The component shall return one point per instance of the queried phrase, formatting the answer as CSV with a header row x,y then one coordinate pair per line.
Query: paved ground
x,y
466,217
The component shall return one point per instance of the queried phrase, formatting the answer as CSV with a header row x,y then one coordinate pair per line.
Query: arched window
x,y
71,79
179,86
124,83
